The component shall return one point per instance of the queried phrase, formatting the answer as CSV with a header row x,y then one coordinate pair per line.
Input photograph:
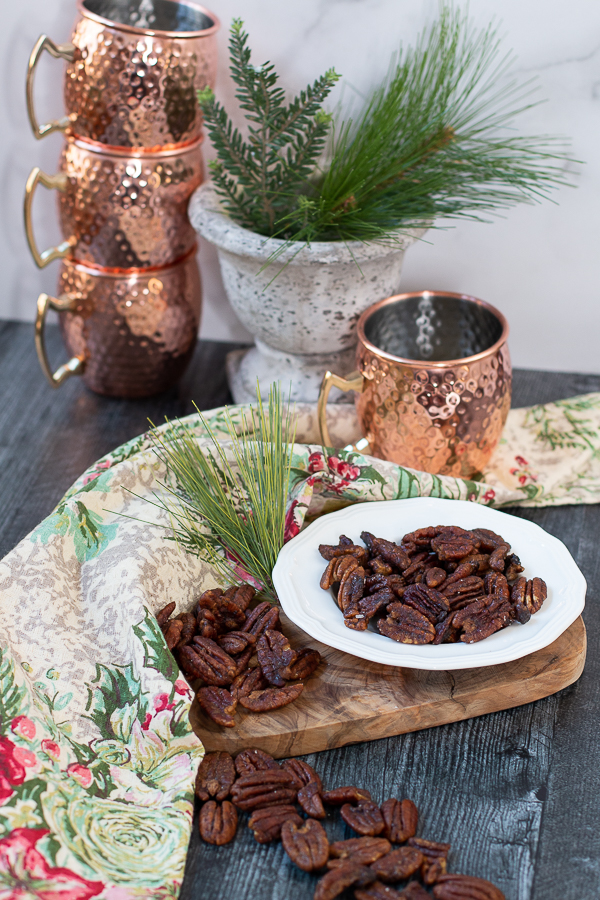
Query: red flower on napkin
x,y
11,770
25,870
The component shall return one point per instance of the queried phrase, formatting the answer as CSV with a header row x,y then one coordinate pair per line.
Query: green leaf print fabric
x,y
97,757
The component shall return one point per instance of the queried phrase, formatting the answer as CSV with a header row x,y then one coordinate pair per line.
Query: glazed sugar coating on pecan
x,y
274,654
309,799
218,822
271,787
215,776
306,662
173,633
398,864
212,663
362,850
426,600
266,823
306,844
163,615
249,680
363,817
406,625
337,880
466,887
234,642
262,617
346,794
401,818
218,704
253,760
302,773
379,891
271,698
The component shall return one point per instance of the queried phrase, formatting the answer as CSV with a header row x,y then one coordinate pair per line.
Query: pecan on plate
x,y
401,818
309,798
482,618
345,548
352,587
257,790
462,592
406,625
218,822
434,577
465,887
380,891
302,773
303,666
488,540
215,776
337,880
266,823
213,664
362,850
163,614
247,762
388,551
496,583
346,794
527,597
498,557
271,698
274,654
370,606
426,600
262,617
364,817
188,631
512,567
416,568
398,864
218,704
422,537
306,844
173,633
235,642
379,566
248,681
450,545
445,632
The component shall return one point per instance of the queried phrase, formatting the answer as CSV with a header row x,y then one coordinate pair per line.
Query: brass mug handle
x,y
76,364
58,51
53,182
354,382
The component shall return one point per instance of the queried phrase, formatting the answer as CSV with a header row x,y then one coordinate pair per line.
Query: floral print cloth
x,y
97,757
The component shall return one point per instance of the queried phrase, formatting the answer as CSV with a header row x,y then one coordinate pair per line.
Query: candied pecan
x,y
527,597
213,664
216,774
163,614
465,568
306,845
352,588
422,537
488,540
241,661
218,704
253,760
432,870
328,576
235,642
207,624
228,614
434,577
431,850
401,818
445,632
379,566
535,594
271,698
188,631
248,681
190,662
303,666
349,794
379,891
466,887
371,605
266,823
209,598
271,787
329,551
496,583
449,545
482,618
416,567
274,654
414,891
345,541
173,633
498,557
335,882
362,850
406,625
463,591
426,600
364,817
242,596
388,551
512,567
398,864
309,798
262,617
218,822
302,773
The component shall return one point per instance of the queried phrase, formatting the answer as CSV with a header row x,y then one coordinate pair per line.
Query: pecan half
x,y
302,773
482,618
213,665
431,850
527,597
449,545
422,537
416,568
266,823
248,681
309,798
401,818
335,882
242,595
207,624
188,631
307,660
512,567
215,776
247,762
236,642
498,557
347,794
379,891
218,704
362,850
262,617
463,591
388,551
364,818
271,698
432,870
370,606
345,548
173,633
209,598
378,566
163,614
306,845
218,822
496,583
228,614
426,600
274,654
466,887
398,864
406,625
434,577
488,540
271,787
445,632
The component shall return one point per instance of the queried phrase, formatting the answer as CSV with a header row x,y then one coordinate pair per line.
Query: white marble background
x,y
539,264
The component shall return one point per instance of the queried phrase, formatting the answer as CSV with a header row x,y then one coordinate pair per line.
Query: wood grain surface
x,y
515,792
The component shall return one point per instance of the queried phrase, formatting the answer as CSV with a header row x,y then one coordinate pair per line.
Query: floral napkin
x,y
97,757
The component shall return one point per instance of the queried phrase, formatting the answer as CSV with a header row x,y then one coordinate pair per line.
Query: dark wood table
x,y
515,793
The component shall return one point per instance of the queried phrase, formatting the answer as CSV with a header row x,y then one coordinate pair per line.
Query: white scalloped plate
x,y
299,568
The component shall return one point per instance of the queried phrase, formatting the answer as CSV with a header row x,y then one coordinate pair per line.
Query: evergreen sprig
x,y
259,179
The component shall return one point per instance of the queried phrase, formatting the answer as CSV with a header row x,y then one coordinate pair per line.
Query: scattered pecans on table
x,y
439,585
218,642
369,865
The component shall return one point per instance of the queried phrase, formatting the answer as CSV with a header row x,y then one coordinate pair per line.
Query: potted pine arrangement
x,y
311,214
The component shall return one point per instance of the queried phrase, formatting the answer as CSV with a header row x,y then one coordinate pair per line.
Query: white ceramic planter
x,y
303,320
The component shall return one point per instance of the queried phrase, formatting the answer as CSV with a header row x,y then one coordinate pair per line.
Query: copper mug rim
x,y
155,32
439,364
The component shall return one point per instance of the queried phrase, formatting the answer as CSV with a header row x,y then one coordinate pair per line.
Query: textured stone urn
x,y
303,308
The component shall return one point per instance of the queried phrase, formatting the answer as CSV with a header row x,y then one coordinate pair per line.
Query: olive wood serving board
x,y
349,700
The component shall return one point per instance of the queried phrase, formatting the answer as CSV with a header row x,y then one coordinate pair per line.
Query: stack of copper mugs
x,y
129,293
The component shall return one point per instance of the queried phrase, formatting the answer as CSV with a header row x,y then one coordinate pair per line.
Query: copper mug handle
x,y
76,364
52,182
58,51
354,382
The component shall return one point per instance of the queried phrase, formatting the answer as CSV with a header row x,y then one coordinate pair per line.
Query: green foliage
x,y
155,656
435,140
12,695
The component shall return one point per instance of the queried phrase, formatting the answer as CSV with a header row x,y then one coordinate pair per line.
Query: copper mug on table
x,y
118,208
131,334
133,69
433,382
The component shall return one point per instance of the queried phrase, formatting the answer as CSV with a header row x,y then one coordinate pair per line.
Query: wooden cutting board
x,y
349,700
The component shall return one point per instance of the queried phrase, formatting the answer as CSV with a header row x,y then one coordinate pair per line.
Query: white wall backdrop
x,y
540,264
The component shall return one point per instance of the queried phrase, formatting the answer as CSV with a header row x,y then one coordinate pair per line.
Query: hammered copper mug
x,y
133,69
119,208
433,382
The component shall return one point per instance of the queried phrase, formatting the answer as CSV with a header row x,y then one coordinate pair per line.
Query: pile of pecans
x,y
276,796
439,585
218,642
